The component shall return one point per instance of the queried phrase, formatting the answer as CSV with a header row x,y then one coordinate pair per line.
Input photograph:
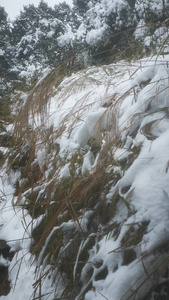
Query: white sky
x,y
13,7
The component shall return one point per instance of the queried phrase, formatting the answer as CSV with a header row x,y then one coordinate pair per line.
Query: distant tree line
x,y
43,37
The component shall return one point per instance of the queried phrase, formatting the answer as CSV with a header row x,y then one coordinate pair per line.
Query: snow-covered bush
x,y
89,172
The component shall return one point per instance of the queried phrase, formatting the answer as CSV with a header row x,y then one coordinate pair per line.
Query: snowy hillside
x,y
84,187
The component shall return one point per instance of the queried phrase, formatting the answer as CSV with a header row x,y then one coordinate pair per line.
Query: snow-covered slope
x,y
90,179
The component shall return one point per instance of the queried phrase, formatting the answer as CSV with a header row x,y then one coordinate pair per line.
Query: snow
x,y
67,38
141,90
93,28
141,30
88,162
2,52
86,130
15,229
64,172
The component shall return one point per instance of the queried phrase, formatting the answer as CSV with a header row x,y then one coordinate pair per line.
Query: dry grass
x,y
67,200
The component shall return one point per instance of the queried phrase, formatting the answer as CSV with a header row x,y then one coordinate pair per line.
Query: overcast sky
x,y
13,7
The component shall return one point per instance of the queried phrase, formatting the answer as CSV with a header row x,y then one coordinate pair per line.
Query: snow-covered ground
x,y
135,97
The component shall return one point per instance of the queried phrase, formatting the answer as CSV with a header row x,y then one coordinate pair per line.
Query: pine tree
x,y
105,25
36,34
81,6
4,39
5,52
